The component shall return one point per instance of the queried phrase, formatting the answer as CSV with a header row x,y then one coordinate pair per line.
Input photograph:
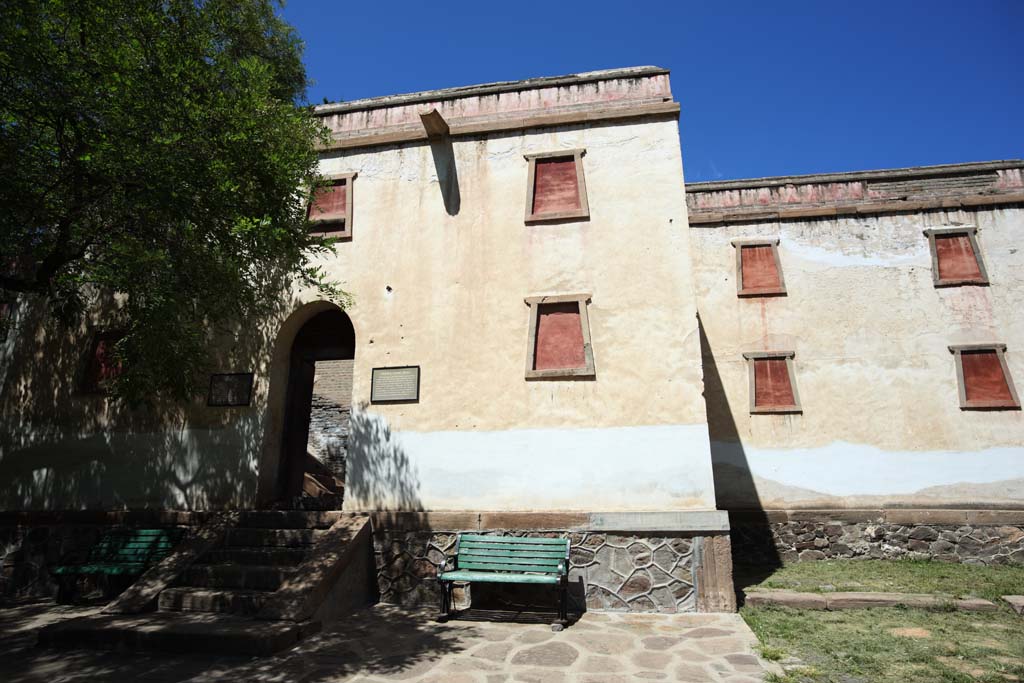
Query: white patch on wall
x,y
846,469
663,467
840,259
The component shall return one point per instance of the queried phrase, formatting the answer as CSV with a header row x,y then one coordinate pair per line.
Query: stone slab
x,y
792,599
864,600
1016,603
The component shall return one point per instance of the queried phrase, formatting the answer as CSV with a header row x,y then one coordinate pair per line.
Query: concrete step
x,y
288,519
253,577
188,599
288,557
177,632
282,538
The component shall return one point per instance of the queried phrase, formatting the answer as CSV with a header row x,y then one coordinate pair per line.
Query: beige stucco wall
x,y
881,422
481,437
445,292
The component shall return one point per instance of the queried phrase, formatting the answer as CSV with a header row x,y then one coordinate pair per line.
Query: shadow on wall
x,y
447,174
61,448
379,475
754,554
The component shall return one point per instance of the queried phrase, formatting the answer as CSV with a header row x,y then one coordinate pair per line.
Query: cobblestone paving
x,y
385,643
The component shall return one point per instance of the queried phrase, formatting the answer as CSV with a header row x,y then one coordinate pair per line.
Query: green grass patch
x,y
892,645
900,576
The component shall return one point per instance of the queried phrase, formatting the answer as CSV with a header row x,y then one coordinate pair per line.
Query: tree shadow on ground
x,y
382,640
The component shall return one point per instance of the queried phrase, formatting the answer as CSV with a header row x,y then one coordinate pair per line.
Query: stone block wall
x,y
648,572
329,417
951,540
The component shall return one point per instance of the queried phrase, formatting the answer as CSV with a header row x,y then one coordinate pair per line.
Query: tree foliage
x,y
152,153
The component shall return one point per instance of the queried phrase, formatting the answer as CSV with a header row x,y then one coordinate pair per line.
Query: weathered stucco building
x,y
894,297
551,334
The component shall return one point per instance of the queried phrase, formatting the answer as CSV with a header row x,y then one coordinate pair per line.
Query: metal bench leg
x,y
445,607
563,607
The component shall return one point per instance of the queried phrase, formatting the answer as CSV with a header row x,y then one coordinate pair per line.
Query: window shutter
x,y
956,258
559,343
772,388
102,365
759,268
984,380
555,186
330,203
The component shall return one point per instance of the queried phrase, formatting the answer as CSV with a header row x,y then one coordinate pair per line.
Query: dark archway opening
x,y
311,471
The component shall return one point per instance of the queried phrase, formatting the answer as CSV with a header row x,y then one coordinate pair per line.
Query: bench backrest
x,y
133,546
512,554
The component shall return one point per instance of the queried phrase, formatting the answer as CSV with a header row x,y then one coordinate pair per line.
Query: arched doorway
x,y
319,391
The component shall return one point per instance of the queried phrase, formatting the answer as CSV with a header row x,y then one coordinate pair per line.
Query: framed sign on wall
x,y
230,389
393,385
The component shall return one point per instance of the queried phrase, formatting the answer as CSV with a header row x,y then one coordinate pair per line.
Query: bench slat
x,y
496,567
492,577
476,538
488,559
496,552
504,546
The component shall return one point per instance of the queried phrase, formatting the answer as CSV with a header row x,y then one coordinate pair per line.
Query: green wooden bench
x,y
508,559
119,553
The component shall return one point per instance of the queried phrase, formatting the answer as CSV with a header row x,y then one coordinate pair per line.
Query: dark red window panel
x,y
772,388
956,258
555,188
984,381
102,366
760,272
329,203
559,343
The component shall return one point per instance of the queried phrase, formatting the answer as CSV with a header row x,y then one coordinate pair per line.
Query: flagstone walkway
x,y
386,643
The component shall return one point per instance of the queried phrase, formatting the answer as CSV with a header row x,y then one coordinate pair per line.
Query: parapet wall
x,y
856,193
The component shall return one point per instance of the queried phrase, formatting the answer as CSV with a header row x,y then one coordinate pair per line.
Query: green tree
x,y
154,151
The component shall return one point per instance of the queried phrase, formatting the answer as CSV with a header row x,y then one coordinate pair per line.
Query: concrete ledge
x,y
863,600
713,521
905,516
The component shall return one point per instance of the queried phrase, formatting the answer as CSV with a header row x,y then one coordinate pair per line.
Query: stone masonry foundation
x,y
635,572
968,536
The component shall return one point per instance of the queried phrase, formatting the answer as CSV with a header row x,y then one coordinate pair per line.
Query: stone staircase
x,y
256,557
270,581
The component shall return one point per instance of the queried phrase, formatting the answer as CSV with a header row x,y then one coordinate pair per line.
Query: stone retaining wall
x,y
804,540
652,572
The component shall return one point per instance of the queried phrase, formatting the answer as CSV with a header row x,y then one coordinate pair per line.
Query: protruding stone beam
x,y
435,125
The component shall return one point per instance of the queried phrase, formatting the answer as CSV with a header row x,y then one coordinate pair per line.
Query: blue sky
x,y
766,88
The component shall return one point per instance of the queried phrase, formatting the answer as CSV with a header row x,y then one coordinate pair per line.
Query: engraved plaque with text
x,y
233,389
395,384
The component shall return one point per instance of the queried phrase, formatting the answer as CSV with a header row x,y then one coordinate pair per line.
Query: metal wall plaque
x,y
234,389
395,384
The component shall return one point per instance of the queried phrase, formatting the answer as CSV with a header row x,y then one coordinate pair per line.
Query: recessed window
x,y
956,258
984,378
556,188
758,270
559,339
101,366
772,382
330,207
